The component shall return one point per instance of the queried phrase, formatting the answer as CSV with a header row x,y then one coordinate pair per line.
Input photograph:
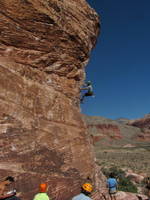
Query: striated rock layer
x,y
126,133
44,47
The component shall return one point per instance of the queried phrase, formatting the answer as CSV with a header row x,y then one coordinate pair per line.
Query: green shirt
x,y
41,196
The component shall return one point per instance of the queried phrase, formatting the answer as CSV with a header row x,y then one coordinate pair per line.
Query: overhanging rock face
x,y
44,47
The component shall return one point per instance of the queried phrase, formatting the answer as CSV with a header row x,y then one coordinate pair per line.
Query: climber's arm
x,y
84,88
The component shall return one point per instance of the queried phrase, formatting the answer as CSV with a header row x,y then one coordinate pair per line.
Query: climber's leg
x,y
82,98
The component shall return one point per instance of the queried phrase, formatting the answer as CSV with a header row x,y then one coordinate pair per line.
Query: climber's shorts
x,y
112,192
88,94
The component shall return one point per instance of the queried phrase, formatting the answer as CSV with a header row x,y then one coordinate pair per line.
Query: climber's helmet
x,y
87,187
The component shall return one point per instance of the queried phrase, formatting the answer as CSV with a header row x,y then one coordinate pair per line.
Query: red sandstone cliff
x,y
44,47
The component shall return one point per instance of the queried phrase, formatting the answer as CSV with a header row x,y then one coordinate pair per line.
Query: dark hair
x,y
10,178
111,175
85,192
89,179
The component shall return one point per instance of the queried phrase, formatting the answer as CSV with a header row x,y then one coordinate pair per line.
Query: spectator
x,y
4,186
112,186
42,195
86,190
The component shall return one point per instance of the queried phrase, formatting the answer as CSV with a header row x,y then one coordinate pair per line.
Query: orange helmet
x,y
43,187
87,187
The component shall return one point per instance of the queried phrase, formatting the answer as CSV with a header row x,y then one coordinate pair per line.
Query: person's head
x,y
86,188
9,179
111,175
43,187
88,83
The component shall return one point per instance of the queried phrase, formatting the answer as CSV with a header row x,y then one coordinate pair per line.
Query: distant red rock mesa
x,y
144,125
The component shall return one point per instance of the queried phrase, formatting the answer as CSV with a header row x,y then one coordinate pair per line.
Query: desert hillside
x,y
120,132
123,143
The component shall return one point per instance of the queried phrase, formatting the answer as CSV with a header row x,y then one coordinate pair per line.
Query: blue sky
x,y
120,64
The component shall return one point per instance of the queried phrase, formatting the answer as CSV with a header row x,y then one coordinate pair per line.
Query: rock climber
x,y
5,192
86,190
89,88
112,186
42,195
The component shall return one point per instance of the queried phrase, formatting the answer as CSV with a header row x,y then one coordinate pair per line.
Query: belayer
x,y
89,88
42,195
86,190
5,193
